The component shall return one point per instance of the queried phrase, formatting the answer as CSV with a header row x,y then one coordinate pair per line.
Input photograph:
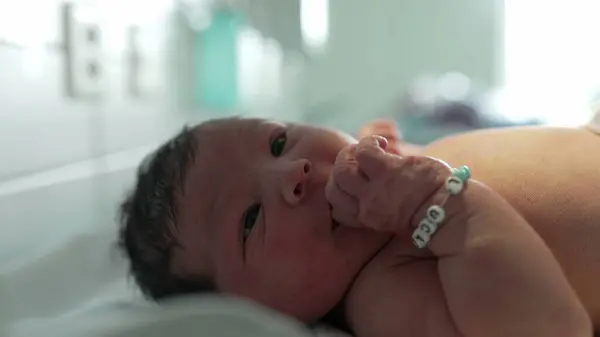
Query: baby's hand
x,y
389,130
374,189
386,129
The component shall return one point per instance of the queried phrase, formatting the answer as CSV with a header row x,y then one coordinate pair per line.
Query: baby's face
x,y
254,218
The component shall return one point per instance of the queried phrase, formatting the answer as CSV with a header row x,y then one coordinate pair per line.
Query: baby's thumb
x,y
346,154
344,219
372,141
342,208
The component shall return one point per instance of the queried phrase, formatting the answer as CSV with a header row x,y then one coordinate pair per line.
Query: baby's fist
x,y
385,128
373,189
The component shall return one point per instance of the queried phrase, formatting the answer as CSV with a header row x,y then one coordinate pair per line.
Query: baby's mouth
x,y
334,224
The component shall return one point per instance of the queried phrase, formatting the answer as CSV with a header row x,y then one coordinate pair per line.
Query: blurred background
x,y
90,87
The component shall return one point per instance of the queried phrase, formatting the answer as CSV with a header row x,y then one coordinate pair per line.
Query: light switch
x,y
84,69
145,69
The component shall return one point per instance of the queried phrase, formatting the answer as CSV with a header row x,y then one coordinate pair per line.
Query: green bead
x,y
463,173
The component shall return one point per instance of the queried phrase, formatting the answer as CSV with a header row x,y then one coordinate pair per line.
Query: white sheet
x,y
202,316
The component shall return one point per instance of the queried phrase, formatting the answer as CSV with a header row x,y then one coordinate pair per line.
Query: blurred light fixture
x,y
23,27
314,22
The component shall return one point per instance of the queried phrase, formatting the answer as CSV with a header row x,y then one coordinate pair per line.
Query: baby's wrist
x,y
446,216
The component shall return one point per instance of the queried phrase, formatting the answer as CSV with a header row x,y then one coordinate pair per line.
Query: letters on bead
x,y
428,226
436,214
454,185
420,238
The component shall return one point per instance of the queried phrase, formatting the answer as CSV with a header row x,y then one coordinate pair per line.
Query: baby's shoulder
x,y
398,293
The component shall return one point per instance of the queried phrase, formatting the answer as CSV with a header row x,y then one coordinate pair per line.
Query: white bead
x,y
454,185
436,214
428,226
420,239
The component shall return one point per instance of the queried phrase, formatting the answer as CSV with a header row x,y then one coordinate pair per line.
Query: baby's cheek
x,y
304,257
302,284
296,252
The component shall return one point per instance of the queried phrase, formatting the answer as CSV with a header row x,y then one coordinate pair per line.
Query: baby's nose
x,y
295,182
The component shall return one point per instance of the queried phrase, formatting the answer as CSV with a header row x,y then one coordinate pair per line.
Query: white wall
x,y
376,47
64,166
41,128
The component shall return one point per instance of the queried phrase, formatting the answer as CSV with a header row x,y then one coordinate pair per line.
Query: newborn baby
x,y
239,206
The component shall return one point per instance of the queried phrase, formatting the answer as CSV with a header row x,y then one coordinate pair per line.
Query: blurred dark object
x,y
436,106
459,113
452,99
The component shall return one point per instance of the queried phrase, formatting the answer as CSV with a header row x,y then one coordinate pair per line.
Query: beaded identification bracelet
x,y
436,213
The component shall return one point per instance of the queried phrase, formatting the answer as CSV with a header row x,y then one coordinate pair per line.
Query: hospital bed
x,y
61,275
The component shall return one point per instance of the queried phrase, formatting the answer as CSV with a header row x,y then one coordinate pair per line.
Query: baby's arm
x,y
498,276
486,273
549,177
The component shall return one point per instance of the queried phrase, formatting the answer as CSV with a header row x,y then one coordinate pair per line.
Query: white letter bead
x,y
420,239
428,226
454,185
436,214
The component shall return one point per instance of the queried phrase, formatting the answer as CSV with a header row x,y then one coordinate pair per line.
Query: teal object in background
x,y
216,60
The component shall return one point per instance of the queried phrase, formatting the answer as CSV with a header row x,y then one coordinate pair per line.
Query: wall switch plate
x,y
144,67
84,70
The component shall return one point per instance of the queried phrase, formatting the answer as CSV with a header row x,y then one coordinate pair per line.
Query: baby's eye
x,y
278,144
249,219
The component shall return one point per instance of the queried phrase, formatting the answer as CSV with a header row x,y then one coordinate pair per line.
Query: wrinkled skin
x,y
378,190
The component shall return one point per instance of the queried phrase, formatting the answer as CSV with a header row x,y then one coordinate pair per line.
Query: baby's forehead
x,y
229,125
224,144
220,140
224,149
213,169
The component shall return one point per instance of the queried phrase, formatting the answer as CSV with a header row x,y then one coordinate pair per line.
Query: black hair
x,y
148,219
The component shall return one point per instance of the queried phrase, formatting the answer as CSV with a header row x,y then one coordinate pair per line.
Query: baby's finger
x,y
344,218
370,155
348,178
344,207
393,148
346,155
339,199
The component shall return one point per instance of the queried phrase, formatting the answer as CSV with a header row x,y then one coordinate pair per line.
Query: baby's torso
x,y
552,177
